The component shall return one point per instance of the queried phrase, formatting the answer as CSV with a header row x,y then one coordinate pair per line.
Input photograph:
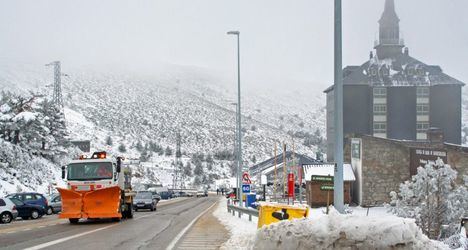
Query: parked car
x,y
31,199
8,211
202,193
146,200
55,203
26,211
165,195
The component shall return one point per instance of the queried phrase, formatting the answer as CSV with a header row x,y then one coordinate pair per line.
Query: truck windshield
x,y
90,171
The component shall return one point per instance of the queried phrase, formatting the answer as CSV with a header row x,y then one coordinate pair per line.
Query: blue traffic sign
x,y
245,188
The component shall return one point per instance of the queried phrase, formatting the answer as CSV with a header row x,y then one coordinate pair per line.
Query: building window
x,y
422,92
380,92
380,109
380,128
422,127
422,109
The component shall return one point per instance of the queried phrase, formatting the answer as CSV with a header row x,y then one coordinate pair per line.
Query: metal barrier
x,y
241,210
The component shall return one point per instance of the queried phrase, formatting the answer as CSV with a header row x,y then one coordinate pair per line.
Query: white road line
x,y
177,238
54,242
144,216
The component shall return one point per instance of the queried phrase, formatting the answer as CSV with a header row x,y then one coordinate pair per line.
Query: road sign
x,y
246,188
246,178
326,188
263,180
322,178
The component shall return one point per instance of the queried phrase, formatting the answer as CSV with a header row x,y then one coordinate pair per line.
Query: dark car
x,y
165,195
146,200
26,211
31,199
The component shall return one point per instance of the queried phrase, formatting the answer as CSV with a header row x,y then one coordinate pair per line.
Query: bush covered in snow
x,y
433,199
337,231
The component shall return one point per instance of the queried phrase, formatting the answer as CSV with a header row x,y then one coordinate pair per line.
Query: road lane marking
x,y
177,238
55,242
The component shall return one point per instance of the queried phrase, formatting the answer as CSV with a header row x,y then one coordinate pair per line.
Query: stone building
x,y
381,164
393,95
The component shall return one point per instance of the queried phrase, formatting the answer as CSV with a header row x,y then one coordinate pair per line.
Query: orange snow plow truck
x,y
97,187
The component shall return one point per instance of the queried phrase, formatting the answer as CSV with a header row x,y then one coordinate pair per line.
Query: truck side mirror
x,y
119,163
63,172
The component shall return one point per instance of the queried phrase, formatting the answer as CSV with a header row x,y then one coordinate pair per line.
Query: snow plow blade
x,y
102,203
71,204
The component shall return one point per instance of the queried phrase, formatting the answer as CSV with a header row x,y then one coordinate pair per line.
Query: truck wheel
x,y
73,220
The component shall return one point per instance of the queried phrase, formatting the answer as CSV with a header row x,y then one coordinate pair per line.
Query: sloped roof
x,y
328,170
360,75
299,158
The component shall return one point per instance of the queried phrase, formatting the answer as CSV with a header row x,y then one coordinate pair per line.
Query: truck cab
x,y
97,187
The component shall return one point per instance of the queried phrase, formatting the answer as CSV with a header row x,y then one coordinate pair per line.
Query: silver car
x,y
146,200
8,210
55,204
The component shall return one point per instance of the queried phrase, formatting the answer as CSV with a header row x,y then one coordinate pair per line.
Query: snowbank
x,y
242,230
337,231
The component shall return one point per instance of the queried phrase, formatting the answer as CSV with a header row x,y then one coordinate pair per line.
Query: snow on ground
x,y
339,231
369,229
242,230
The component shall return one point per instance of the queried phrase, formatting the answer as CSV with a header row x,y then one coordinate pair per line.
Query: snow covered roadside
x,y
242,231
337,231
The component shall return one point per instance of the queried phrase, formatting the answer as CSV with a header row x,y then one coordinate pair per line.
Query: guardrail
x,y
241,210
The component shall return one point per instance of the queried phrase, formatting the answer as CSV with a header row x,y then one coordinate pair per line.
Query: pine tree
x,y
122,148
432,199
139,146
168,151
109,141
188,169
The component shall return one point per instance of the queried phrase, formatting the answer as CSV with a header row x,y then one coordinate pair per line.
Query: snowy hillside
x,y
134,111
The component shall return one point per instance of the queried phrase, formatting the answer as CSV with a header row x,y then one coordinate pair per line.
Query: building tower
x,y
57,94
389,42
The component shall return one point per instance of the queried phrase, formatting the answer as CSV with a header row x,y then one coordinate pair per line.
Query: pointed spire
x,y
389,43
389,15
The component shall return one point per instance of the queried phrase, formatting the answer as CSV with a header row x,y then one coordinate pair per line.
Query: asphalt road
x,y
147,230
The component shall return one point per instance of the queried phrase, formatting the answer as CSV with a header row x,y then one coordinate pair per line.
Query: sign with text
x,y
420,157
245,188
322,178
327,188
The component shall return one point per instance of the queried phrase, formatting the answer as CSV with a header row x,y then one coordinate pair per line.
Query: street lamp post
x,y
239,132
338,91
236,159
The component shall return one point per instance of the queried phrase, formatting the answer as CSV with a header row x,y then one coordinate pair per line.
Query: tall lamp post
x,y
236,155
239,132
338,91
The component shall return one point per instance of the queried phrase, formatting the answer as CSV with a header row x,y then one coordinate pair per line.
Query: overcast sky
x,y
280,39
